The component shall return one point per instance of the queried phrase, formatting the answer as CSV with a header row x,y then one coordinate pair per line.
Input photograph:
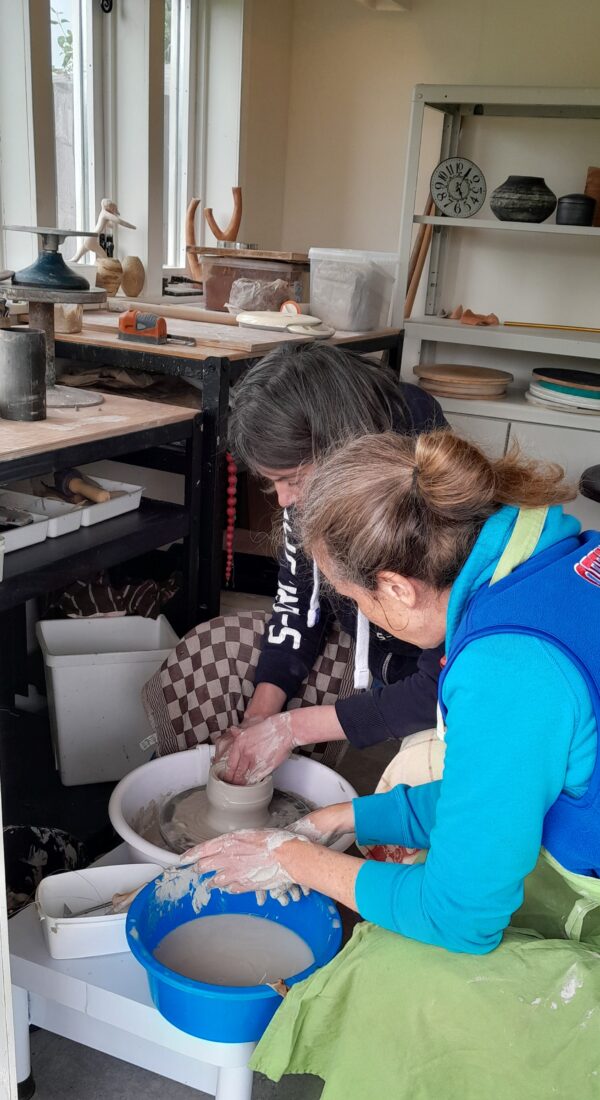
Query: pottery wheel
x,y
182,817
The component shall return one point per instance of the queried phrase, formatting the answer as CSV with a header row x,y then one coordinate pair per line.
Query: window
x,y
75,80
177,128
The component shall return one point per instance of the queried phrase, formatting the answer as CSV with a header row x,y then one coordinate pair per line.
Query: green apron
x,y
394,1018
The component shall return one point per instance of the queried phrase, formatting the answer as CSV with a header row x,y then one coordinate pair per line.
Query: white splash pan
x,y
143,791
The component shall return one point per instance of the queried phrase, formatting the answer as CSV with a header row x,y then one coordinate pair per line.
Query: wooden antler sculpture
x,y
232,230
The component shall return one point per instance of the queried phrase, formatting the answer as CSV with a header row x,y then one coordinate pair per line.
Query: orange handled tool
x,y
148,328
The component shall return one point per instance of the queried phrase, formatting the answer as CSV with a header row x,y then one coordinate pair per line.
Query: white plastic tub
x,y
350,290
81,937
95,671
134,803
62,518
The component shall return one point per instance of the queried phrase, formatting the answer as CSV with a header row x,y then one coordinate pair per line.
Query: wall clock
x,y
458,187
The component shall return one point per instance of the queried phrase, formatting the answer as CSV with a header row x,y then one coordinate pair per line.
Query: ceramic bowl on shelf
x,y
523,199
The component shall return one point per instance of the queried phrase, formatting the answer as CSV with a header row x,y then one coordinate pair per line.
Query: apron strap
x,y
574,922
522,543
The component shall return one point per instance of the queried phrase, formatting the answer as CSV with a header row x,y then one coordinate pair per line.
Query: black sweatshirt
x,y
407,700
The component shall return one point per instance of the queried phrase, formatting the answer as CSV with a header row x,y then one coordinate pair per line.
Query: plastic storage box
x,y
73,937
352,291
250,284
95,671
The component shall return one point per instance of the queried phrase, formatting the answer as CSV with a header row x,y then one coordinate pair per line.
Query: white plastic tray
x,y
62,518
16,538
81,937
95,513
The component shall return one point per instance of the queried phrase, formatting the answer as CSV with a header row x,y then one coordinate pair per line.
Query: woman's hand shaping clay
x,y
224,741
251,859
248,755
327,825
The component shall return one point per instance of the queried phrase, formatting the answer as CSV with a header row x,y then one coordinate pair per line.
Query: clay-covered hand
x,y
283,894
251,754
327,825
251,859
224,741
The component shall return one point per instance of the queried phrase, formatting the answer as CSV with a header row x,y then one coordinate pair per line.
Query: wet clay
x,y
185,818
234,949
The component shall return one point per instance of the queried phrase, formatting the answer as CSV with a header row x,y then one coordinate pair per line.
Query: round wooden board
x,y
469,396
463,373
456,390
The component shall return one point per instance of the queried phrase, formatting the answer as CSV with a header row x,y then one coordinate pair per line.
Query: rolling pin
x,y
72,483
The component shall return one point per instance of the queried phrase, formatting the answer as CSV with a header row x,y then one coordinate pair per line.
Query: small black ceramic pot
x,y
523,199
575,210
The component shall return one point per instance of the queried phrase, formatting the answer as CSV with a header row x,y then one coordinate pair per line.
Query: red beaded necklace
x,y
230,525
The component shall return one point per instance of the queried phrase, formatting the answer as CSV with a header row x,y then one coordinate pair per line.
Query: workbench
x,y
73,437
221,355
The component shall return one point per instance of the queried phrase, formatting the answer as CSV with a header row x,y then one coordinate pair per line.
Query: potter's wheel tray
x,y
183,817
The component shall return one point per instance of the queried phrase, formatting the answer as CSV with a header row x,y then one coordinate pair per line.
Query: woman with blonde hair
x,y
477,972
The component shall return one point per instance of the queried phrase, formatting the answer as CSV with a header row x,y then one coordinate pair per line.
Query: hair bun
x,y
455,478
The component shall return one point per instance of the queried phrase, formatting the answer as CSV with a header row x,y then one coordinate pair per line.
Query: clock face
x,y
458,187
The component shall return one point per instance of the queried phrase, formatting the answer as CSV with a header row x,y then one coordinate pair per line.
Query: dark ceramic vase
x,y
523,199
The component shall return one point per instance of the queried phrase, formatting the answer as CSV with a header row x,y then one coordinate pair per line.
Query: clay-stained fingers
x,y
244,842
226,741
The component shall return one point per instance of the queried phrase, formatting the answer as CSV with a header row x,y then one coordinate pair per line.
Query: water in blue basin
x,y
230,1014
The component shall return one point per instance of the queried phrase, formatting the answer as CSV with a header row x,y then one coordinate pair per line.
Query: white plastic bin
x,y
95,671
79,937
350,290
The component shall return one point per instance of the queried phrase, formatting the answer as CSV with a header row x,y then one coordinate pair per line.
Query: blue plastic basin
x,y
224,1014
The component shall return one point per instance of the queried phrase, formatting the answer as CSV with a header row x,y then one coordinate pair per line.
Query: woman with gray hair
x,y
300,676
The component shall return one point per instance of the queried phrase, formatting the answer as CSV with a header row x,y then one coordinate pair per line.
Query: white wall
x,y
265,109
350,83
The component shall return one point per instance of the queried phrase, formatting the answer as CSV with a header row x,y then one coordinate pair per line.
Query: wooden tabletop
x,y
65,427
231,341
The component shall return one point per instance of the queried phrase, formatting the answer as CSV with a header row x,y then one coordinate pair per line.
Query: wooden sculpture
x,y
232,230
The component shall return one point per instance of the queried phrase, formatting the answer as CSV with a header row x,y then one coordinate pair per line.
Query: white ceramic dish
x,y
15,538
62,518
272,319
135,800
81,937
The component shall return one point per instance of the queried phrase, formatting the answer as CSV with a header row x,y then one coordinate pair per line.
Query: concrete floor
x,y
67,1071
63,1069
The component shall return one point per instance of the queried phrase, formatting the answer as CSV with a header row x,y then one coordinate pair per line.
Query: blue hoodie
x,y
520,729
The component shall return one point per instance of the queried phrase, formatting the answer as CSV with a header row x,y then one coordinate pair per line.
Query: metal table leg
x,y
193,504
215,398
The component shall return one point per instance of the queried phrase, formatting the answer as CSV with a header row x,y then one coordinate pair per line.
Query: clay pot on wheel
x,y
232,807
109,273
523,199
134,276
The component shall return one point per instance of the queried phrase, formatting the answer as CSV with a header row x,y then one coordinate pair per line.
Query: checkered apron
x,y
206,683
